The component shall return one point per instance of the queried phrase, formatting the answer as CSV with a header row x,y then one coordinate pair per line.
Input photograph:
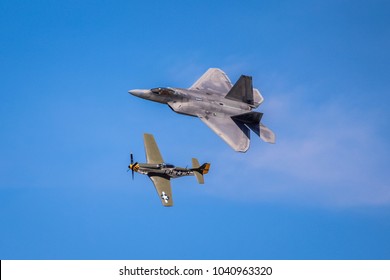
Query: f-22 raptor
x,y
160,172
223,107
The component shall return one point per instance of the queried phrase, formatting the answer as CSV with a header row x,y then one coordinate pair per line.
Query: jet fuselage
x,y
194,102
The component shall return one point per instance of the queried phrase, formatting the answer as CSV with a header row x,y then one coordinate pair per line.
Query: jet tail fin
x,y
242,90
252,120
199,171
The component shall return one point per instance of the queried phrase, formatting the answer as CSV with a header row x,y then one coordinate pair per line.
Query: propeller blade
x,y
132,166
132,169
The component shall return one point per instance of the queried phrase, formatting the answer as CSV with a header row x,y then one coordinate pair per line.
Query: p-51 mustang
x,y
160,172
223,107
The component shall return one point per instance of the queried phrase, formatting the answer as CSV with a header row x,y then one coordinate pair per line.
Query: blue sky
x,y
68,124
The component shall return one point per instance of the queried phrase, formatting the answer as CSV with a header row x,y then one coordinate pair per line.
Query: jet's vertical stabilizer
x,y
242,90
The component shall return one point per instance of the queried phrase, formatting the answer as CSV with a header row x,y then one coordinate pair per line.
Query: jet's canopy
x,y
163,91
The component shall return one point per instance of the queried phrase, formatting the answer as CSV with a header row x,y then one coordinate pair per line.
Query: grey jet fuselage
x,y
191,102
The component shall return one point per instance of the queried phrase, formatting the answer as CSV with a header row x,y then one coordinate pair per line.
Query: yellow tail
x,y
199,171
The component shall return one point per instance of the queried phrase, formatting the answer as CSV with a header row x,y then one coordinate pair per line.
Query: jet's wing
x,y
163,188
214,80
235,134
151,150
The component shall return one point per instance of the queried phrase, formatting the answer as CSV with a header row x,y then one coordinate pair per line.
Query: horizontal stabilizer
x,y
199,171
267,134
242,90
263,132
252,121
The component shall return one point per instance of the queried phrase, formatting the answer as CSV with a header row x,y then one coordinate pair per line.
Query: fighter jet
x,y
160,172
223,107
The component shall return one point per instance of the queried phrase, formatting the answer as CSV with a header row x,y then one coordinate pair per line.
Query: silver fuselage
x,y
194,102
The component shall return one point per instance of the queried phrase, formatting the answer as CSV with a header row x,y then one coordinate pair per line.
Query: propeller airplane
x,y
161,173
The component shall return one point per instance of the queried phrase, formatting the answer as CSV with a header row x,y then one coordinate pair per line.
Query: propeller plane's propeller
x,y
132,166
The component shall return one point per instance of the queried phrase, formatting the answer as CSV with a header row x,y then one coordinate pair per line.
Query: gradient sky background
x,y
67,126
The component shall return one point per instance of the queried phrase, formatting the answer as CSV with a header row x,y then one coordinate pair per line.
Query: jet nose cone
x,y
133,91
138,92
143,93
